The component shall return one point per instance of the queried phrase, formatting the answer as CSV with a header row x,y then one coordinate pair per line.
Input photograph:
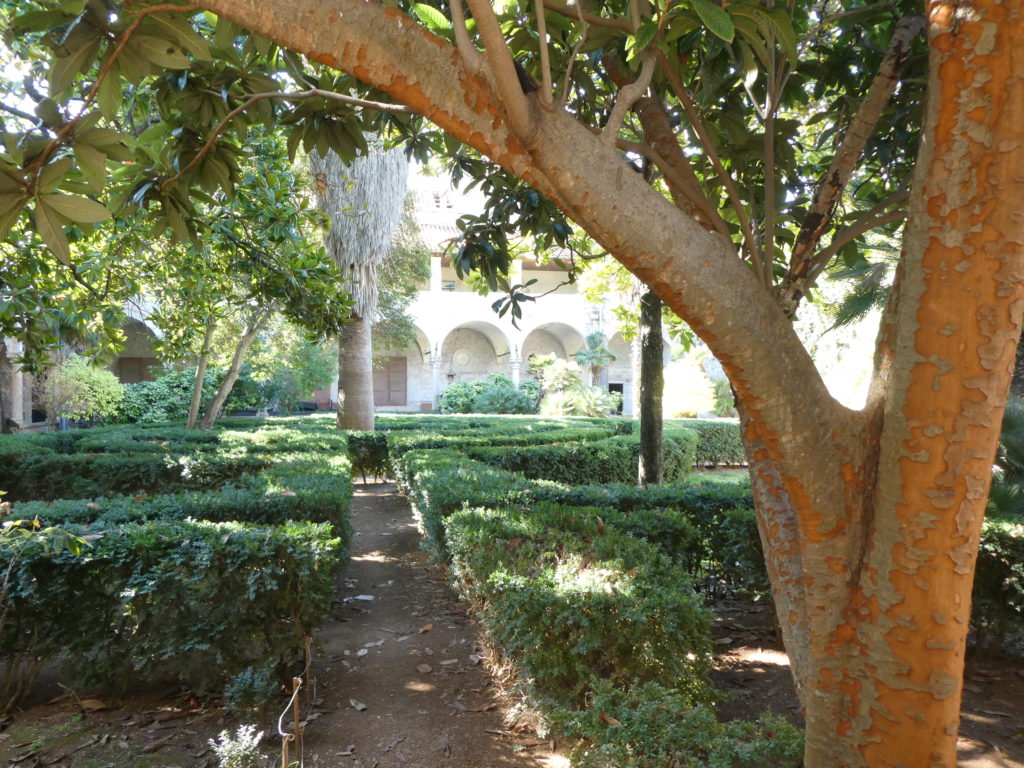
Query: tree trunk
x,y
652,388
355,375
197,387
870,519
220,397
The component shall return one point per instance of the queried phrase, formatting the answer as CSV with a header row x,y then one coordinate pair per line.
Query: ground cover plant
x,y
204,585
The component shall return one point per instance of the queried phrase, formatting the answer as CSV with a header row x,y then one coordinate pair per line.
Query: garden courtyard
x,y
492,591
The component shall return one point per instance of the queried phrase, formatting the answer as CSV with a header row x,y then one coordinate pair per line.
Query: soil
x,y
401,681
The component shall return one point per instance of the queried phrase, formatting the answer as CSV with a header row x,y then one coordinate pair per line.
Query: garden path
x,y
401,679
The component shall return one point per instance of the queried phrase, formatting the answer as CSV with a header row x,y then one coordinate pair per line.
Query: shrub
x,y
611,460
188,600
656,727
77,389
719,443
167,398
501,399
581,401
459,396
571,601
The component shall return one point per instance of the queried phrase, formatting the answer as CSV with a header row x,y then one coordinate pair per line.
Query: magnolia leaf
x,y
93,164
80,210
432,17
749,65
11,205
52,233
64,68
53,174
718,21
643,37
162,52
783,25
10,183
109,95
182,31
37,21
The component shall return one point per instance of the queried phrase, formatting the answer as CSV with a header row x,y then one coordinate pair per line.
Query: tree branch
x,y
575,11
628,96
18,113
288,96
470,55
503,68
572,56
545,63
873,219
750,244
832,185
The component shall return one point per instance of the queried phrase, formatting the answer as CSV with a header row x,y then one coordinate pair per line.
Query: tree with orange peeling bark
x,y
869,518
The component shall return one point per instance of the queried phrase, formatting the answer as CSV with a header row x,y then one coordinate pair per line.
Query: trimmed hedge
x,y
193,585
719,443
572,601
194,601
578,463
48,476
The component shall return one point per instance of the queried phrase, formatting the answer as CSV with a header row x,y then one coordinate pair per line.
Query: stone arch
x,y
472,350
559,339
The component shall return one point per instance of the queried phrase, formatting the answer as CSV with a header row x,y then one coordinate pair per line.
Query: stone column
x,y
515,274
435,274
516,364
435,365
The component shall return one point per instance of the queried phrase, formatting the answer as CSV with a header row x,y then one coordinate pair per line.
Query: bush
x,y
459,396
193,601
657,727
198,586
77,389
494,394
719,443
167,398
499,399
581,401
572,602
612,460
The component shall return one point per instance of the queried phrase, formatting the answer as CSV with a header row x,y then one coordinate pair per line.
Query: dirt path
x,y
409,656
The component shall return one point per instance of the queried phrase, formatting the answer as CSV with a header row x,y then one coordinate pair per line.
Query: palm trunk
x,y
197,387
652,389
248,337
355,375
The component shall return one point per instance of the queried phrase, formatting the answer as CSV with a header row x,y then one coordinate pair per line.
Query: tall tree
x,y
870,519
364,201
652,387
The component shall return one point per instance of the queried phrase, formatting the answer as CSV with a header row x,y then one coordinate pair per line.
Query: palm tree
x,y
595,355
364,203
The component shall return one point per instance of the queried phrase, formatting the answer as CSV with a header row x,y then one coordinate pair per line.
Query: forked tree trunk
x,y
870,519
252,330
652,390
355,388
197,386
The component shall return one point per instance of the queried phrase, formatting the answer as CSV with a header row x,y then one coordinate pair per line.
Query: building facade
x,y
459,335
